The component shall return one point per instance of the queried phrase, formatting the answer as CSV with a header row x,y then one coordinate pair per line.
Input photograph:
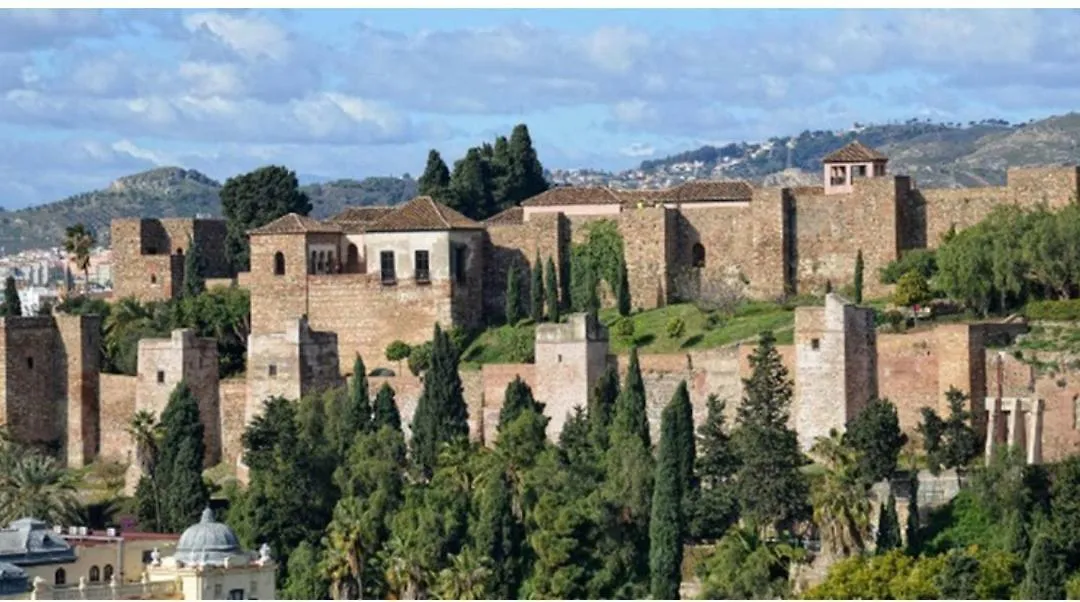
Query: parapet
x,y
578,327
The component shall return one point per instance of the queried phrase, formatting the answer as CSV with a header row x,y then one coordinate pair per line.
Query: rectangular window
x,y
161,376
838,176
860,171
815,344
236,594
423,273
147,556
386,267
272,370
461,259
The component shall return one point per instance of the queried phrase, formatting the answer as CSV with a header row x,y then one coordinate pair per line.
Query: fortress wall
x,y
908,374
962,207
545,234
232,403
727,236
117,410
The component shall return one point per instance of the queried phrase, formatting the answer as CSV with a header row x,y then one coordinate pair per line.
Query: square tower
x,y
570,358
148,255
835,366
850,163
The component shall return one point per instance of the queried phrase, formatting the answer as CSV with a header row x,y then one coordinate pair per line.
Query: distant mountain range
x,y
936,154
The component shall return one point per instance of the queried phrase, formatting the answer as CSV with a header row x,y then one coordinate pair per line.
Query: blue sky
x,y
88,96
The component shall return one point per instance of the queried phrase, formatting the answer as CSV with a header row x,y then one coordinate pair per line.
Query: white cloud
x,y
249,36
638,150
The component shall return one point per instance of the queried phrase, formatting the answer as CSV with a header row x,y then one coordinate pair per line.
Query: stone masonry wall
x,y
117,409
232,403
28,379
648,244
79,359
542,235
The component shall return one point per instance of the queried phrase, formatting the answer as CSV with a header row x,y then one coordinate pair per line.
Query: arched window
x,y
279,264
698,254
107,573
352,259
330,267
95,574
179,250
60,577
153,278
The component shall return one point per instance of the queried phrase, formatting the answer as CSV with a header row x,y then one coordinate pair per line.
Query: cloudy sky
x,y
88,96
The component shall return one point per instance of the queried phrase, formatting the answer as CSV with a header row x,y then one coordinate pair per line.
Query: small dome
x,y
208,542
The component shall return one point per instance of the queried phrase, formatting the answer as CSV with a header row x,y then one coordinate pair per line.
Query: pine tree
x,y
602,401
536,291
435,181
622,290
858,277
630,415
441,414
771,489
182,492
1045,571
470,186
12,305
194,281
713,507
255,199
518,398
875,434
386,410
888,535
513,296
666,523
552,291
526,174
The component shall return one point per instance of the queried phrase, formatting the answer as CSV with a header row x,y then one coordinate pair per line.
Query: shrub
x,y
624,328
1055,311
922,261
676,327
713,320
397,351
420,358
895,319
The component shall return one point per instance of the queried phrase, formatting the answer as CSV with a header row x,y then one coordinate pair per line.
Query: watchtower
x,y
852,162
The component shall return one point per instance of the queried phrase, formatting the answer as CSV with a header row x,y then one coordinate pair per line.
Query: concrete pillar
x,y
1016,424
992,427
1034,443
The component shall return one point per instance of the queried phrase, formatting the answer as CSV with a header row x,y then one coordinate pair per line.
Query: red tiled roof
x,y
573,195
511,216
295,224
709,190
423,214
854,152
356,219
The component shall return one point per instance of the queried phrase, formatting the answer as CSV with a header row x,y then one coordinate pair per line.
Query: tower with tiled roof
x,y
852,162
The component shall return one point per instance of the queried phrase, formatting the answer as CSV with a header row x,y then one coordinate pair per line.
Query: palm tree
x,y
406,574
146,434
353,537
78,241
466,578
840,498
37,486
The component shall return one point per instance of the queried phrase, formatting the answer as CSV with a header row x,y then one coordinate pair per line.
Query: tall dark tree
x,y
359,415
622,290
771,489
435,181
685,441
630,415
194,281
526,174
859,267
500,536
712,508
12,305
888,534
441,414
513,296
875,433
536,291
913,525
518,398
666,523
602,401
386,410
471,186
1045,571
179,470
949,443
499,163
551,289
255,199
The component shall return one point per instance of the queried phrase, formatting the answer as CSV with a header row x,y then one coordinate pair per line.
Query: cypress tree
x,y
179,475
622,289
685,444
630,416
359,415
441,414
605,395
536,308
552,291
665,526
500,537
386,410
1044,572
12,306
470,186
513,296
194,282
888,535
526,174
500,162
858,277
518,398
435,181
712,507
911,529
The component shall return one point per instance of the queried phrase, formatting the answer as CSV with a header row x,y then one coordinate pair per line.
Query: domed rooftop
x,y
208,542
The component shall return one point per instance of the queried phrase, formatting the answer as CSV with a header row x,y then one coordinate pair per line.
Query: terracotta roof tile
x,y
634,196
511,216
420,214
354,220
709,190
573,195
854,152
293,223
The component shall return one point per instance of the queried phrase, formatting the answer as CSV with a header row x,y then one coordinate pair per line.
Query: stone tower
x,y
835,366
570,358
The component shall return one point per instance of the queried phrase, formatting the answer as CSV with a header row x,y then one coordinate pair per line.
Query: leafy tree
x,y
194,280
840,502
536,291
552,291
397,351
467,578
769,485
35,485
602,402
386,410
513,296
305,581
875,434
923,261
949,443
743,567
78,243
666,524
435,181
253,200
911,290
630,416
518,398
685,440
1045,571
420,358
441,414
888,534
12,306
713,506
859,267
622,290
